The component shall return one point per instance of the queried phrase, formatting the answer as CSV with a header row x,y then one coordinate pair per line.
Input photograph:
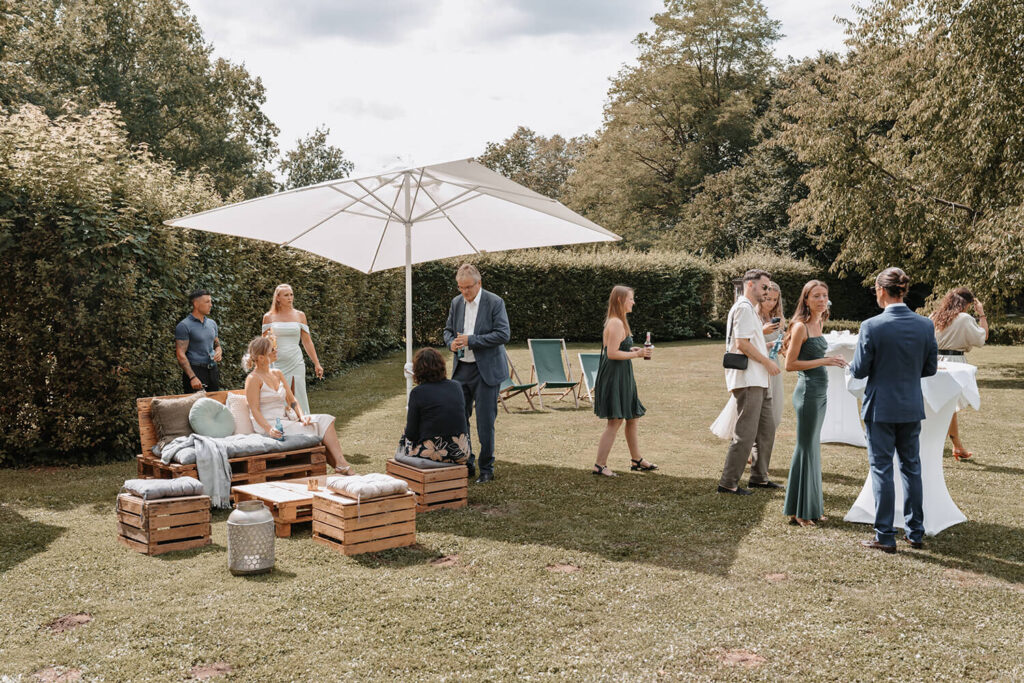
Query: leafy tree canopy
x,y
537,162
149,58
913,144
685,110
314,161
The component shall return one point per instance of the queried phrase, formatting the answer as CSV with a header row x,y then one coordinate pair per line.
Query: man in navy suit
x,y
894,351
476,331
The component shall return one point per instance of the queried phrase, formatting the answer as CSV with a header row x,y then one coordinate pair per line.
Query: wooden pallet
x,y
435,489
247,469
290,501
352,527
153,527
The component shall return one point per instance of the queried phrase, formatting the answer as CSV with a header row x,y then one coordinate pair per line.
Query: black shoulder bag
x,y
732,361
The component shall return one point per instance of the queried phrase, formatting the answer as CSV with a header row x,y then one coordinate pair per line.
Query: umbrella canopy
x,y
398,218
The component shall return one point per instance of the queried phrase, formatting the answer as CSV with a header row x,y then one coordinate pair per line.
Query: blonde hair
x,y
260,346
617,305
776,311
273,302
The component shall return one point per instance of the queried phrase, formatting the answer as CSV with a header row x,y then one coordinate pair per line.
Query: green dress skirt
x,y
614,387
803,490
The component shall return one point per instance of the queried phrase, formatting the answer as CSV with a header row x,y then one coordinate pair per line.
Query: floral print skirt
x,y
453,449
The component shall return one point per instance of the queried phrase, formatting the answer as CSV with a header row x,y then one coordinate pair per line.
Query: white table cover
x,y
842,416
941,394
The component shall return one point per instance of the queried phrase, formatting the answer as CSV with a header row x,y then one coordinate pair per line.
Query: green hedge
x,y
1007,333
94,286
850,299
564,293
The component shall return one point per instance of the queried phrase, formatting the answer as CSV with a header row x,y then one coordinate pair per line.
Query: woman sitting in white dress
x,y
291,329
270,399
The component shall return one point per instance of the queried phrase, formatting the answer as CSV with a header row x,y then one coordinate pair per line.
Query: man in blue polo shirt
x,y
197,346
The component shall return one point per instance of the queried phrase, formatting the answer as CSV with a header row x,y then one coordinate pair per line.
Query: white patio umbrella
x,y
398,218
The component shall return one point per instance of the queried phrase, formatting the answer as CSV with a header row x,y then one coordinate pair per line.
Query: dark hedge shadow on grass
x,y
979,547
64,488
652,518
21,538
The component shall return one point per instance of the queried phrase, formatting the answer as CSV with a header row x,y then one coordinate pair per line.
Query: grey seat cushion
x,y
151,489
422,463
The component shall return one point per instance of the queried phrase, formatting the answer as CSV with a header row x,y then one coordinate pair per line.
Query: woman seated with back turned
x,y
270,399
435,426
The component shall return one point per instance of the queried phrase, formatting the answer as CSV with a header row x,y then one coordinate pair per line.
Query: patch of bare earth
x,y
558,568
742,658
69,622
201,672
57,674
966,579
445,561
776,578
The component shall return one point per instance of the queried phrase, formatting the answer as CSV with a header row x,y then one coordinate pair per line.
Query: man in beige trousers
x,y
752,390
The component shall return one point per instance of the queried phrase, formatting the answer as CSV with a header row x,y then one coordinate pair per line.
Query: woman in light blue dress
x,y
290,328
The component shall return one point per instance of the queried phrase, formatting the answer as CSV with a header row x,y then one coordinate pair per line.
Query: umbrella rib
x,y
472,246
454,201
534,195
383,232
362,200
321,222
372,192
419,183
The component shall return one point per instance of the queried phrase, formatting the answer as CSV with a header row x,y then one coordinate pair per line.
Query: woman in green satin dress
x,y
615,397
804,348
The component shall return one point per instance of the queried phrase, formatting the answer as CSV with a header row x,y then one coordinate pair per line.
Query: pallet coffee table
x,y
290,501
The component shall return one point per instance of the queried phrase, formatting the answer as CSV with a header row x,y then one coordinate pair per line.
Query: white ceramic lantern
x,y
250,538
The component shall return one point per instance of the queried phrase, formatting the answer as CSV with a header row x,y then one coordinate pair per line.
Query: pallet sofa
x,y
247,469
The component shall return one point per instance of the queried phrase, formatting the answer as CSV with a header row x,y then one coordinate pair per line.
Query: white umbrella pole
x,y
408,305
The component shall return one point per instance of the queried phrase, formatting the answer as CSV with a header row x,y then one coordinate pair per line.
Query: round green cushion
x,y
210,417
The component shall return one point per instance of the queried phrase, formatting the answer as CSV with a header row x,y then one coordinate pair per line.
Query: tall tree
x,y
914,144
685,110
314,161
149,58
540,163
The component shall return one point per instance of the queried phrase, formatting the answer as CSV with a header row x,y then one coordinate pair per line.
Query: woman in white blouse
x,y
290,328
957,332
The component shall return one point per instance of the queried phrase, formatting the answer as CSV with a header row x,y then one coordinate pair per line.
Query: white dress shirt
x,y
469,324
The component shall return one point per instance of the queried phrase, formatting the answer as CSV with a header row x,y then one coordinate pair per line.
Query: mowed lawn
x,y
550,572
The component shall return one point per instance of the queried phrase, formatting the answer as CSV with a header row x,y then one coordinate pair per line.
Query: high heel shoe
x,y
961,455
638,466
602,470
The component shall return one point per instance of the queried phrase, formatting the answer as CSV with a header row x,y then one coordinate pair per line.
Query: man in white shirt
x,y
752,390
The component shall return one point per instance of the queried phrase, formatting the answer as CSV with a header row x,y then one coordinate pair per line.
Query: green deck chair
x,y
588,369
513,386
550,371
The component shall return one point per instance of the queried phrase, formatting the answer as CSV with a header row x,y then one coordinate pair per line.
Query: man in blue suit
x,y
476,331
894,351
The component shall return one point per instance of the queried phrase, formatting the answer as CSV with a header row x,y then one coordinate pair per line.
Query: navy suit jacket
x,y
895,349
488,338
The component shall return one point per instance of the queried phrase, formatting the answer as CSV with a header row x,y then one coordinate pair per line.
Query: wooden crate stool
x,y
290,501
153,527
436,489
352,527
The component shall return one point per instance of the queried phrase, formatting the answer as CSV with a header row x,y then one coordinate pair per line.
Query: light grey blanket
x,y
211,457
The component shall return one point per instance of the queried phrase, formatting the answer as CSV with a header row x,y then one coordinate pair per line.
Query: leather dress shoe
x,y
875,545
739,491
484,477
765,485
916,545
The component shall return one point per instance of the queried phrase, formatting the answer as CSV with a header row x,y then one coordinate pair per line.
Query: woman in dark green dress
x,y
615,396
805,352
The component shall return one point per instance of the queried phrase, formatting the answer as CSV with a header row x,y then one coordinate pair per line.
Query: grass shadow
x,y
647,518
22,538
992,549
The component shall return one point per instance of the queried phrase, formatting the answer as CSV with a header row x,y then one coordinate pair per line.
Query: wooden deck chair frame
x,y
586,391
561,391
517,387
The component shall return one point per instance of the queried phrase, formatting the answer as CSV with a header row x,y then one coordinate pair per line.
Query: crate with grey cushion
x,y
160,516
307,460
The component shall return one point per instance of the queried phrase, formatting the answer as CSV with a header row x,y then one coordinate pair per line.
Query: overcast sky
x,y
410,82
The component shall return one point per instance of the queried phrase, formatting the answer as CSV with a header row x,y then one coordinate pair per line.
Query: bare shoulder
x,y
614,325
301,316
252,380
267,319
